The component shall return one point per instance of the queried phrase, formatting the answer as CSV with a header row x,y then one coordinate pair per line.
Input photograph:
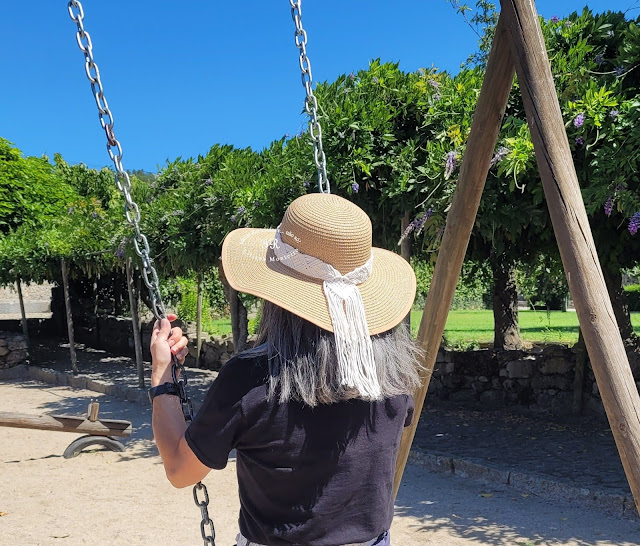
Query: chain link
x,y
310,103
114,148
140,243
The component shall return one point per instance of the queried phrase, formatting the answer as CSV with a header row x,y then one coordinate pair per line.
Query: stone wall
x,y
539,380
13,350
115,334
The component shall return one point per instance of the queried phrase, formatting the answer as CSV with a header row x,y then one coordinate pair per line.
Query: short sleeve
x,y
220,422
410,407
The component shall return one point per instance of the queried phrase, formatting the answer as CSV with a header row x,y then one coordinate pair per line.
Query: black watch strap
x,y
165,388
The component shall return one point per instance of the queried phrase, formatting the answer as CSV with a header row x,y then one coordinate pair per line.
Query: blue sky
x,y
180,77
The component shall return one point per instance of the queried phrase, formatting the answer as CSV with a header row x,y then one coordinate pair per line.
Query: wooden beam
x,y
571,226
486,125
66,423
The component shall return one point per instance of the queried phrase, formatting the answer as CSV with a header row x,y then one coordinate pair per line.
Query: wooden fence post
x,y
571,226
135,323
486,125
67,304
23,314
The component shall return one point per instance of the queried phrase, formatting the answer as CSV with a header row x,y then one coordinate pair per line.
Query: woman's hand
x,y
165,342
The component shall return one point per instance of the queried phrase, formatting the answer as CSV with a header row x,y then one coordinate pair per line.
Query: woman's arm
x,y
181,465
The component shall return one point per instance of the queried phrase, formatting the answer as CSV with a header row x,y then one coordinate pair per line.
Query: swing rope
x,y
140,243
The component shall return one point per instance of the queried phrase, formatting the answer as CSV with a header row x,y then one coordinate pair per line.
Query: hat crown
x,y
329,228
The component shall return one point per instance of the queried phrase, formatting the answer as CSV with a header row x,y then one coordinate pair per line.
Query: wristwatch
x,y
165,388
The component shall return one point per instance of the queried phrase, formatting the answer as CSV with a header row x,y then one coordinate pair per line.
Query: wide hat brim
x,y
251,266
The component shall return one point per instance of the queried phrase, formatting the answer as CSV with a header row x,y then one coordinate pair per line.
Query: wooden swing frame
x,y
519,47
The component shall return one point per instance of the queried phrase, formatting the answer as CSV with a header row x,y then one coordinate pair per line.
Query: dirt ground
x,y
103,497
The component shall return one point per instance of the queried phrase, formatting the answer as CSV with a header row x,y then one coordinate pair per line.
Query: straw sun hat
x,y
320,229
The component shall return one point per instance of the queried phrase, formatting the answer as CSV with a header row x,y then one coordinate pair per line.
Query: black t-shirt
x,y
316,476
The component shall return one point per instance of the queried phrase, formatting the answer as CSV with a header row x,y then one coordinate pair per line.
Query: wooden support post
x,y
199,321
67,304
571,226
66,423
486,125
23,314
135,324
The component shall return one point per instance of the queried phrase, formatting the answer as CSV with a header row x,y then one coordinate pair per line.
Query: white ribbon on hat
x,y
356,363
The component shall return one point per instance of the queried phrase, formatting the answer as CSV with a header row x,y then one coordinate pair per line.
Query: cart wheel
x,y
79,444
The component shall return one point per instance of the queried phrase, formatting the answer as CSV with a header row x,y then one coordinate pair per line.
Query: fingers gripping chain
x,y
140,243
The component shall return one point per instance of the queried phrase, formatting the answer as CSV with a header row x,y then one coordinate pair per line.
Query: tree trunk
x,y
619,302
67,304
505,306
405,252
239,320
135,324
199,321
23,314
580,350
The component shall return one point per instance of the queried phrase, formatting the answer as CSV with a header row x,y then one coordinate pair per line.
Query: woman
x,y
316,410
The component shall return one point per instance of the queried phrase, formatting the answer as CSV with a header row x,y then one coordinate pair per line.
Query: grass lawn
x,y
467,327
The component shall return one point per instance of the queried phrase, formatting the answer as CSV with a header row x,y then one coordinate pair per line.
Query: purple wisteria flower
x,y
436,96
568,24
613,114
306,184
555,19
241,210
500,155
233,219
416,225
608,206
451,164
94,215
70,211
352,76
355,187
579,141
119,252
599,59
419,223
578,121
619,70
634,223
433,83
177,212
374,79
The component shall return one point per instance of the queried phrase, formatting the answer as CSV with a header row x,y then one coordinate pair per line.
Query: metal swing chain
x,y
140,243
310,103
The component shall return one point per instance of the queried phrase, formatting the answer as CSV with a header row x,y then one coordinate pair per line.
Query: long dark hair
x,y
303,361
